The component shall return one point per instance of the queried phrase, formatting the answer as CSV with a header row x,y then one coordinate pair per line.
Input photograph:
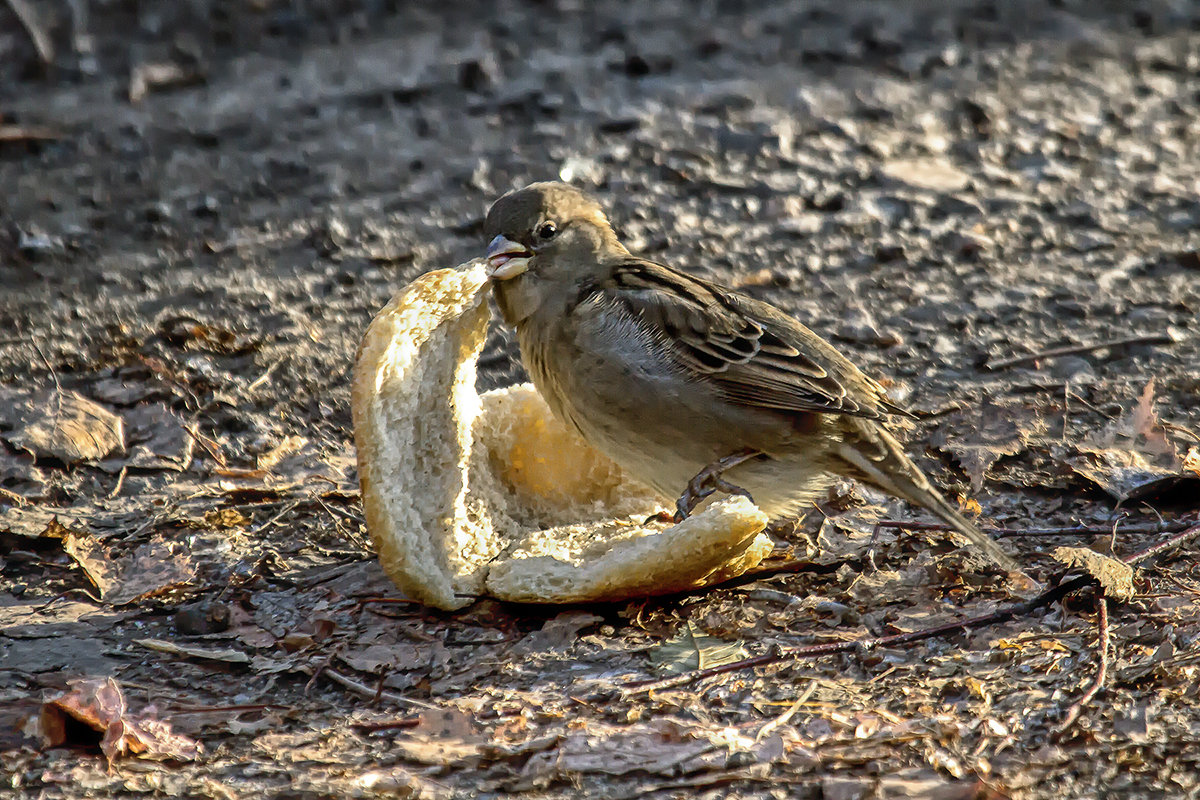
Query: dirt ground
x,y
203,204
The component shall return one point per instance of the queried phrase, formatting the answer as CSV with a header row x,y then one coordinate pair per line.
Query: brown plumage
x,y
668,374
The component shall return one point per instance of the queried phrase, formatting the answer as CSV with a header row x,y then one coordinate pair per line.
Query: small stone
x,y
927,173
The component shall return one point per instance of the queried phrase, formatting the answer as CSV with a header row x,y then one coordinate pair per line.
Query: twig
x,y
1165,546
120,482
776,656
1150,338
261,379
216,709
1074,530
37,35
289,508
786,717
1101,671
363,690
13,497
210,446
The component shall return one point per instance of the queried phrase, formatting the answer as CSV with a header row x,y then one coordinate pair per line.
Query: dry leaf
x,y
1148,432
153,570
602,749
1191,462
978,438
1133,457
158,439
145,78
1124,474
69,427
1115,576
93,558
402,656
444,737
694,649
100,705
212,653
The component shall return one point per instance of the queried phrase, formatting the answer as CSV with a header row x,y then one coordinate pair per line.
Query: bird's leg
x,y
709,480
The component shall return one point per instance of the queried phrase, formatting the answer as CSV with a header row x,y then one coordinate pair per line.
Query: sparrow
x,y
689,386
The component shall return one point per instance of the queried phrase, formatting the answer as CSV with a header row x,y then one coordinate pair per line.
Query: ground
x,y
205,202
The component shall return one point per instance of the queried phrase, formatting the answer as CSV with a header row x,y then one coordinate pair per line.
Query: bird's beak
x,y
507,259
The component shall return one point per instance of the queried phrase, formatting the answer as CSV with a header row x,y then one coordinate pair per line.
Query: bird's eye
x,y
547,230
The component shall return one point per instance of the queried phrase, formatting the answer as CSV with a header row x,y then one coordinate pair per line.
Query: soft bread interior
x,y
466,495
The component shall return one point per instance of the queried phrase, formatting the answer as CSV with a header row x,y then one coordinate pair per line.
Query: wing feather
x,y
754,353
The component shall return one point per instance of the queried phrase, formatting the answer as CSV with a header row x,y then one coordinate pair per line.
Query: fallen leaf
x,y
603,750
100,705
158,439
444,737
192,334
373,658
1124,474
68,427
398,783
1115,576
210,653
1191,462
1133,458
152,570
559,633
692,649
979,437
145,78
1149,434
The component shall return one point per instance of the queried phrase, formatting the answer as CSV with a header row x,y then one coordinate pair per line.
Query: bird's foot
x,y
709,480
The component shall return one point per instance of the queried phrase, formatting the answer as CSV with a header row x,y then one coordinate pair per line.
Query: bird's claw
x,y
709,480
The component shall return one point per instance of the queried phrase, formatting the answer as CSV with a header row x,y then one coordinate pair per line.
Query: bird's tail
x,y
881,461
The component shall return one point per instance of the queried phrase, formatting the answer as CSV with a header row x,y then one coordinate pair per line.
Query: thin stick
x,y
1101,671
37,34
786,717
1076,530
366,691
120,482
776,656
1071,350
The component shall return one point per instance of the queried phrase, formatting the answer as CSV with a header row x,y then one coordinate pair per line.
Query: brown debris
x,y
69,427
99,704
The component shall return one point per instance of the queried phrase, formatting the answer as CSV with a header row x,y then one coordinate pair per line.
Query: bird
x,y
690,386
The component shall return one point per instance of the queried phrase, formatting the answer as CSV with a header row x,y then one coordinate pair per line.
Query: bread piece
x,y
466,494
617,560
413,400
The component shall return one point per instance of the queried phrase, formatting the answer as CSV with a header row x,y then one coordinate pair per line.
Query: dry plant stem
x,y
1101,672
776,656
1075,530
1055,352
363,690
37,34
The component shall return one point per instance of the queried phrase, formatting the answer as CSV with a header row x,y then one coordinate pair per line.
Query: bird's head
x,y
544,238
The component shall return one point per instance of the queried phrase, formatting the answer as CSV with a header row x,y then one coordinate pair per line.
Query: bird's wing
x,y
753,352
